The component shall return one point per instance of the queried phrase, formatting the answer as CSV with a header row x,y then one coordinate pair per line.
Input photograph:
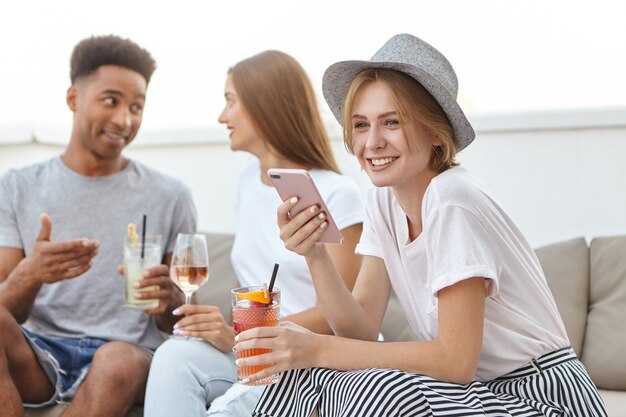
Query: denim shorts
x,y
64,360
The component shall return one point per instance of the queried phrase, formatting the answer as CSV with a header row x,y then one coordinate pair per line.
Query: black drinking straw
x,y
143,236
273,278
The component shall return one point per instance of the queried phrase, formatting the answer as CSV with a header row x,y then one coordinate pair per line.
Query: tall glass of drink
x,y
254,307
134,266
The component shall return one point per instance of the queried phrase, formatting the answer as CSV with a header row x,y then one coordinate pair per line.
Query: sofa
x,y
588,283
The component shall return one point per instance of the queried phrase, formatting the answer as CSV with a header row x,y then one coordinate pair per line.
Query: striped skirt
x,y
555,384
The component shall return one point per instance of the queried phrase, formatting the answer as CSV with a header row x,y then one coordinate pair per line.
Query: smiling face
x,y
380,145
243,136
108,109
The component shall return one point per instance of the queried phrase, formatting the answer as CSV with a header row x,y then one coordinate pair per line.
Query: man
x,y
65,333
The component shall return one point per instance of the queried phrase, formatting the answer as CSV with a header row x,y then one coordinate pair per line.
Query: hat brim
x,y
339,76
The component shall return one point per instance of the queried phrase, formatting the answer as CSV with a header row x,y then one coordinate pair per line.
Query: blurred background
x,y
542,81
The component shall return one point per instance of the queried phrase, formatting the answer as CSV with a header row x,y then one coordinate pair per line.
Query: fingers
x,y
289,225
157,271
308,234
208,315
73,247
199,321
283,211
204,326
303,230
257,332
213,329
74,263
45,232
75,272
273,362
152,292
266,372
55,267
302,240
46,227
155,276
192,309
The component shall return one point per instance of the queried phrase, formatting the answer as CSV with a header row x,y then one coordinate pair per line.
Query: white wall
x,y
559,174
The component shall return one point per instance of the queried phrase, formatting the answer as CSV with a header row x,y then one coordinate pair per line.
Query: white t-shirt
x,y
257,246
466,234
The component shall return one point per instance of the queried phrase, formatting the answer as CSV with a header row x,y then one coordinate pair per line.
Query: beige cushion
x,y
604,350
566,266
615,402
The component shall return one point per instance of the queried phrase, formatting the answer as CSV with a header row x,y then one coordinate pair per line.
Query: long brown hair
x,y
414,105
277,95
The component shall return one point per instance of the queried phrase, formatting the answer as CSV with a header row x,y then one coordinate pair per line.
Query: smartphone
x,y
298,183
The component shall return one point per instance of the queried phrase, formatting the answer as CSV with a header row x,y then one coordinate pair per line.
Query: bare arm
x,y
359,314
344,312
17,294
452,356
21,277
347,264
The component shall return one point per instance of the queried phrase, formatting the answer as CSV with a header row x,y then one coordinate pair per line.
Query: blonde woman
x,y
491,341
271,112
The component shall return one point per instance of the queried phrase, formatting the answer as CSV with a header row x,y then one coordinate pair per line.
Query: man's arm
x,y
21,277
16,293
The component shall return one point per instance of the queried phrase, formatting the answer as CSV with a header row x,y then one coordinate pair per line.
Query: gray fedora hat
x,y
419,60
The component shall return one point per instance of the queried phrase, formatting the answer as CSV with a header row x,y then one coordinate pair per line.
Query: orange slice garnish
x,y
258,296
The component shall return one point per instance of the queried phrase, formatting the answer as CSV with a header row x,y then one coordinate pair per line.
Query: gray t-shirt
x,y
96,208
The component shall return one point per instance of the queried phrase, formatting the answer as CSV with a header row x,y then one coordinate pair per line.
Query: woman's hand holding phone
x,y
298,183
303,218
301,232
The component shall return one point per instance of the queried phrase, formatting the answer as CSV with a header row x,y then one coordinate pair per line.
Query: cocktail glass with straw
x,y
139,256
256,306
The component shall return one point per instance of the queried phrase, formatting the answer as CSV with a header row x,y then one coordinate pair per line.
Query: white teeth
x,y
115,137
382,161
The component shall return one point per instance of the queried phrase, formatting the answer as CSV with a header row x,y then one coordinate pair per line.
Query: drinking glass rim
x,y
252,288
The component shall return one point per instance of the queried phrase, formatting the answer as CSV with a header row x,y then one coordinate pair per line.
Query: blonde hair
x,y
414,104
277,95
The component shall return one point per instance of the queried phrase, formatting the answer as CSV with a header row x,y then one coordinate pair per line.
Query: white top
x,y
257,246
466,234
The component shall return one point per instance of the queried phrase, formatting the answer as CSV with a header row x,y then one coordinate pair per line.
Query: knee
x,y
170,357
190,360
184,350
179,356
120,362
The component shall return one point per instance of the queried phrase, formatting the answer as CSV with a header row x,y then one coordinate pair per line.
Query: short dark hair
x,y
91,53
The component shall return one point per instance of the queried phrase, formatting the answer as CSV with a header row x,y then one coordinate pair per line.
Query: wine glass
x,y
190,263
